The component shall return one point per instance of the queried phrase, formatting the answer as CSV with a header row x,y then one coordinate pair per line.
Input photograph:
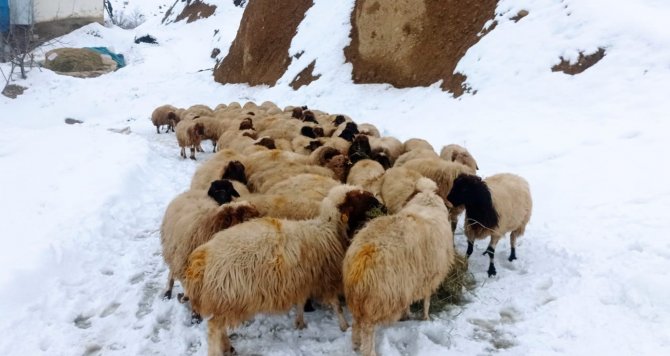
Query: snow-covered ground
x,y
80,264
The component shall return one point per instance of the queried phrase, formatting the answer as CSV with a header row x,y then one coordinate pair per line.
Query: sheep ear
x,y
454,156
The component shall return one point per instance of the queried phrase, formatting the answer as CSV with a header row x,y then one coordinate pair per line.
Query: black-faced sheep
x,y
396,260
268,265
221,168
189,134
165,115
192,218
456,153
493,207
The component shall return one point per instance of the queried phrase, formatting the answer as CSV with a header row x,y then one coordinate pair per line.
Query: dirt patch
x,y
411,43
259,53
194,10
305,77
13,90
584,62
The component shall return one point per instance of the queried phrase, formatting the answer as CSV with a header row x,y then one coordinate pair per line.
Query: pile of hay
x,y
451,290
78,62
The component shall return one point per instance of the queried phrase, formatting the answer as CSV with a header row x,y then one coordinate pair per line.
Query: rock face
x,y
411,43
259,53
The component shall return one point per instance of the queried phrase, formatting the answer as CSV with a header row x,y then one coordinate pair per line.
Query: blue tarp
x,y
4,16
118,58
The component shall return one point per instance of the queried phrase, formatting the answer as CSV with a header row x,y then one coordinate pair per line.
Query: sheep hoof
x,y
470,248
182,298
492,270
308,307
300,324
192,157
230,352
167,295
512,255
195,318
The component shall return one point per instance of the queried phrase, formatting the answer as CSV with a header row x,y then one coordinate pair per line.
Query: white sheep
x,y
493,207
457,153
396,260
268,265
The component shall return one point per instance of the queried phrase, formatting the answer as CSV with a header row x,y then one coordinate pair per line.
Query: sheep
x,y
414,154
332,159
192,218
391,146
221,167
165,115
443,173
494,206
265,160
213,128
417,143
367,174
360,149
306,185
369,130
200,109
347,132
269,105
262,181
456,153
396,186
282,206
395,260
234,105
268,265
189,134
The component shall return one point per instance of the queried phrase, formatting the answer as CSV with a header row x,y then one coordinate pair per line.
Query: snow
x,y
81,270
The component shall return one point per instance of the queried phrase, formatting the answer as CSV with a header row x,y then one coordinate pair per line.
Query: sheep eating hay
x,y
493,207
395,260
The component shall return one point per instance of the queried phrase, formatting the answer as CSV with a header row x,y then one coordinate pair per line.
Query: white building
x,y
53,18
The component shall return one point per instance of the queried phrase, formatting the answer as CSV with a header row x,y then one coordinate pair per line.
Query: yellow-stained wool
x,y
190,220
395,260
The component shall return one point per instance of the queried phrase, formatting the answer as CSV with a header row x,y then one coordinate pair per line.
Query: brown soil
x,y
411,43
194,10
584,62
259,53
305,77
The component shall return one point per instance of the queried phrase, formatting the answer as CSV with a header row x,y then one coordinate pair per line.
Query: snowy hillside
x,y
81,270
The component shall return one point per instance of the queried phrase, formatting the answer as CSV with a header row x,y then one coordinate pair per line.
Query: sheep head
x,y
235,171
296,113
339,120
465,158
235,213
471,191
313,145
357,207
308,131
360,149
308,116
266,142
246,124
350,130
222,191
199,129
340,165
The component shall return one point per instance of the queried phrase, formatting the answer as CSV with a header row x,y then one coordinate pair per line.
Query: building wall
x,y
50,10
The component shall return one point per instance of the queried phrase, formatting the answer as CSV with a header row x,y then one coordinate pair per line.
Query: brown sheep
x,y
189,134
165,115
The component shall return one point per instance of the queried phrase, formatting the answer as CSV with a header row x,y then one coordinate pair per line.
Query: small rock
x,y
71,121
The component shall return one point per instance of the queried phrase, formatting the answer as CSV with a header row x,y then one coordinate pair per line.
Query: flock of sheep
x,y
298,204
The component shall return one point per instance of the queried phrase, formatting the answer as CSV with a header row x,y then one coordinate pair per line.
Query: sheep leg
x,y
182,153
426,307
199,148
170,284
192,153
213,146
355,336
337,308
512,239
471,246
308,307
368,340
217,337
157,131
406,314
491,251
299,317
